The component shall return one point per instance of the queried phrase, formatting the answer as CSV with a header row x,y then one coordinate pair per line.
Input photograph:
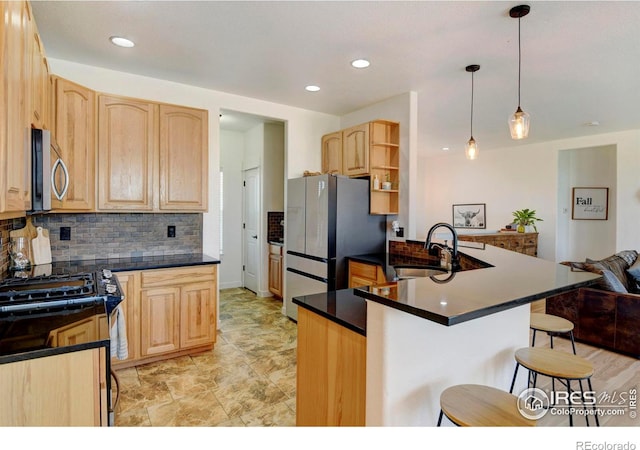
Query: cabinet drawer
x,y
275,249
167,277
361,270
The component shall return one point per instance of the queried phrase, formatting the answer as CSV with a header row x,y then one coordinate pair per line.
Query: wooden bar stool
x,y
562,366
551,324
474,405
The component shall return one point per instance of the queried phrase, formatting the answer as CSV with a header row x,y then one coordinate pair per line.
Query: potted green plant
x,y
526,217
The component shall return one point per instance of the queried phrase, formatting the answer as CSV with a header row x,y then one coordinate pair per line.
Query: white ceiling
x,y
580,60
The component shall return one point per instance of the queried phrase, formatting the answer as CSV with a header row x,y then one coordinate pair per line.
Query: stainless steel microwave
x,y
45,176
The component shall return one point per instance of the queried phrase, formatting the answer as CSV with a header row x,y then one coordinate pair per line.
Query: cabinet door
x,y
127,153
183,158
75,137
197,315
160,320
361,274
332,153
275,274
355,156
61,390
38,73
15,132
84,331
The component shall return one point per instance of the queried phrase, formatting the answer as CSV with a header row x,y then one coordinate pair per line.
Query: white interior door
x,y
251,225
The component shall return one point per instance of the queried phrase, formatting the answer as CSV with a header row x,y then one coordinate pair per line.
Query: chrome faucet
x,y
428,245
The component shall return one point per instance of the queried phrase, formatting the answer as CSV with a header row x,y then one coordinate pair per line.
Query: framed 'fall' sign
x,y
590,203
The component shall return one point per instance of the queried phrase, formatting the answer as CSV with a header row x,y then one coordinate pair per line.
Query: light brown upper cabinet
x,y
384,160
183,158
74,134
15,142
127,153
332,153
355,150
371,150
39,108
152,157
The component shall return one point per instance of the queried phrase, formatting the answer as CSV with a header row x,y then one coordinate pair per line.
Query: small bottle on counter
x,y
376,182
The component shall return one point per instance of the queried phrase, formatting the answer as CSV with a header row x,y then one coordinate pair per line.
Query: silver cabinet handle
x,y
59,163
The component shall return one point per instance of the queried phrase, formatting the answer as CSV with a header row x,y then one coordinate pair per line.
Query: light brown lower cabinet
x,y
275,270
331,373
168,312
69,389
362,274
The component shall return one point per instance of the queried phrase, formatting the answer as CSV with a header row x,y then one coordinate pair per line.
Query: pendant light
x,y
519,121
471,149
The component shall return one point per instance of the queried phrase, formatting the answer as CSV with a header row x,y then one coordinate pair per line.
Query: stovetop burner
x,y
52,287
53,291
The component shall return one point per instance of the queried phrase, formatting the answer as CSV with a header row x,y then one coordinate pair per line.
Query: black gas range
x,y
35,310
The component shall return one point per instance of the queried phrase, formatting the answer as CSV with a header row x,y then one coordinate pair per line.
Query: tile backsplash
x,y
112,235
275,231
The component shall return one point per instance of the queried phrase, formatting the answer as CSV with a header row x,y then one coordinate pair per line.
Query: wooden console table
x,y
526,243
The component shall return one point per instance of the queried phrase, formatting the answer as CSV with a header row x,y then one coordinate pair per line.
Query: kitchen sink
x,y
413,271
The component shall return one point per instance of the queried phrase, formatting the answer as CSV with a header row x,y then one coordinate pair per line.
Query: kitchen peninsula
x,y
425,334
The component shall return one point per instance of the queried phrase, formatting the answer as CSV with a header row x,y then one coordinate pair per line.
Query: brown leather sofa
x,y
607,314
601,318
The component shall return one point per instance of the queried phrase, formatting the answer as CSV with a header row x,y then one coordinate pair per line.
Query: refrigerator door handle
x,y
307,275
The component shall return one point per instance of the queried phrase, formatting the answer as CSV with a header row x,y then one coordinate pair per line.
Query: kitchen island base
x,y
411,361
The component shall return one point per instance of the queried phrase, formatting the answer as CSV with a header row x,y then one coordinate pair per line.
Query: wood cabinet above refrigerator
x,y
371,150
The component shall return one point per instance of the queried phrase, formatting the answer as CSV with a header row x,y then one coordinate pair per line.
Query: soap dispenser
x,y
445,257
376,182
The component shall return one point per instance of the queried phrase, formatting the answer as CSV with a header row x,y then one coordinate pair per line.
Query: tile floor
x,y
248,379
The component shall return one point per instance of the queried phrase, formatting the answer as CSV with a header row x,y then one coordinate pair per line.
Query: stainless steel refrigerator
x,y
327,220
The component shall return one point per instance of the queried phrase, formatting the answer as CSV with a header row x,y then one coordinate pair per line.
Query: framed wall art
x,y
590,203
469,215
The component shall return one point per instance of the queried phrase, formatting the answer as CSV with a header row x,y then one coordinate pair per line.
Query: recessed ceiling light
x,y
360,63
121,42
593,123
446,149
312,88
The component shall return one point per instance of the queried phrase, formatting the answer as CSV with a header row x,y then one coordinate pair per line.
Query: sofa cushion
x,y
633,273
610,281
630,256
617,264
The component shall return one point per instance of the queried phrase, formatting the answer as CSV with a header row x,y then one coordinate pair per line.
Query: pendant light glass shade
x,y
471,149
519,124
519,121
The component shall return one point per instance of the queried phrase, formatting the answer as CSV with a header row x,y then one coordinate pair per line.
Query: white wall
x,y
304,128
402,109
231,151
580,239
527,177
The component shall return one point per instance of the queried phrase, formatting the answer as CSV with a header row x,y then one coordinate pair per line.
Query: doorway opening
x,y
252,158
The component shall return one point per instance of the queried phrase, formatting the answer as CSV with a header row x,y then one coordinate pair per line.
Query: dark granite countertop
x,y
118,264
342,307
27,336
512,279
